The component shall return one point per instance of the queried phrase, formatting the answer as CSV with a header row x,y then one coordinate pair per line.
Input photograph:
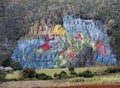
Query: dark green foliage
x,y
73,74
21,78
71,69
28,73
115,43
2,76
43,76
86,74
80,74
13,79
61,75
56,76
15,65
11,63
6,62
112,70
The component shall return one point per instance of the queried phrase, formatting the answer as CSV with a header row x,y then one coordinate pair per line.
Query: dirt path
x,y
26,84
49,84
31,84
93,86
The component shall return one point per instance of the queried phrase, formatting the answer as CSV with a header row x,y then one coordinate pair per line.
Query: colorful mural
x,y
77,43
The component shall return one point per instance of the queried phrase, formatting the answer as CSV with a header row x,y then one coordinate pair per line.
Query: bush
x,y
21,78
2,76
61,75
43,76
13,79
86,74
56,76
10,63
73,74
71,69
112,70
80,74
28,73
15,65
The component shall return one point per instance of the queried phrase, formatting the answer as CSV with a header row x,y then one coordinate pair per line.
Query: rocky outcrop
x,y
38,29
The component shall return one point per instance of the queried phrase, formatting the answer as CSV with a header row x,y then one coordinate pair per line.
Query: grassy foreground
x,y
58,70
99,79
51,72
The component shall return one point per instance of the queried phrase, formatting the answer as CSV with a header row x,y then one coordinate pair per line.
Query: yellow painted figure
x,y
59,30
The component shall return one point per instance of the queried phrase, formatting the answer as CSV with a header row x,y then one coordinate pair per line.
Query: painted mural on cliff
x,y
76,43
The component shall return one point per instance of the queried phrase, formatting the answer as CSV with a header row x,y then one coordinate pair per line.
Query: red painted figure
x,y
61,53
96,46
72,55
45,46
102,49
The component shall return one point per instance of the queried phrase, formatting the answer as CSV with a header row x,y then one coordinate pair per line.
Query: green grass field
x,y
51,72
58,70
113,78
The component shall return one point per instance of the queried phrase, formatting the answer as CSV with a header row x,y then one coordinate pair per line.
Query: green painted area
x,y
38,50
71,44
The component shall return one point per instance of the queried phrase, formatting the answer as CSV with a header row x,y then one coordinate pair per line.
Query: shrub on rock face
x,y
42,76
28,73
13,65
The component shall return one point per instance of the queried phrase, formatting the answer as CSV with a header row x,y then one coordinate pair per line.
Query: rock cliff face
x,y
78,43
100,41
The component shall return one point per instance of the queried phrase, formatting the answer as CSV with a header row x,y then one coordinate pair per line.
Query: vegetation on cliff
x,y
17,16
